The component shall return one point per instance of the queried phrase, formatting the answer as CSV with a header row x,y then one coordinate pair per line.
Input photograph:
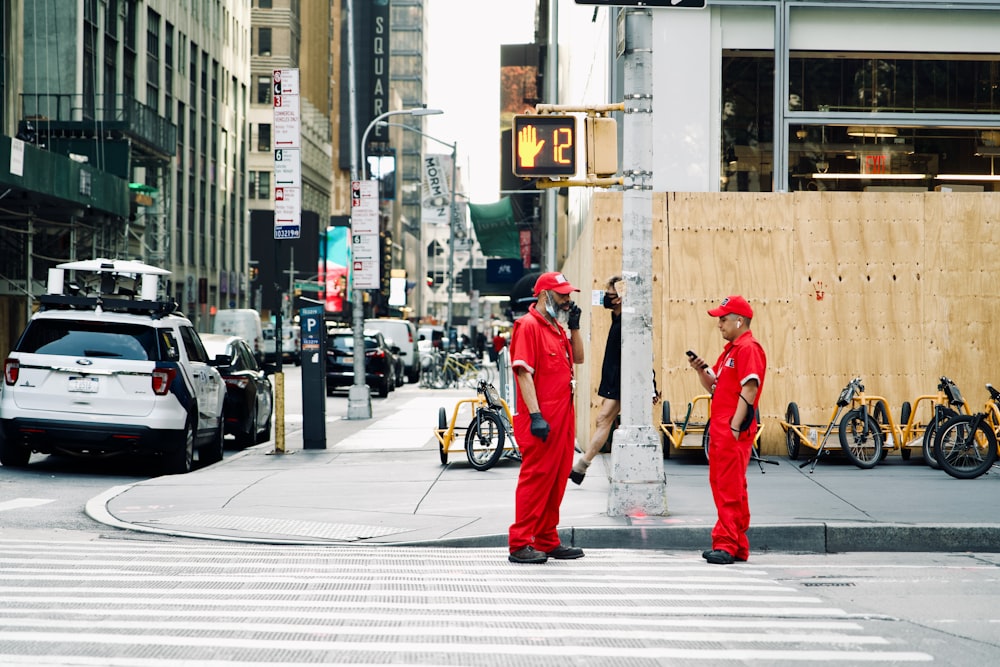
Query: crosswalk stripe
x,y
491,648
164,604
20,503
415,628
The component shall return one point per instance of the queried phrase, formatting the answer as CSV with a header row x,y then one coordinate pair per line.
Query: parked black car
x,y
380,362
249,394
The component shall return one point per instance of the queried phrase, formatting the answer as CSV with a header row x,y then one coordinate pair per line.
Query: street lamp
x,y
359,402
453,217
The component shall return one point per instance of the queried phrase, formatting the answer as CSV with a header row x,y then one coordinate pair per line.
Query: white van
x,y
242,322
404,336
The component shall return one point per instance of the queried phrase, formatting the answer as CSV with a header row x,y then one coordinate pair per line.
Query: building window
x,y
263,90
843,153
264,138
260,185
747,122
263,41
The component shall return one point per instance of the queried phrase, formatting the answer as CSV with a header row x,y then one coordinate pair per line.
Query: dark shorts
x,y
610,389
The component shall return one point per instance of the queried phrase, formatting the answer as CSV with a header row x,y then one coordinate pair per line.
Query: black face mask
x,y
609,301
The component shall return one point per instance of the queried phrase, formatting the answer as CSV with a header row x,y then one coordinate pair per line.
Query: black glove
x,y
574,317
539,427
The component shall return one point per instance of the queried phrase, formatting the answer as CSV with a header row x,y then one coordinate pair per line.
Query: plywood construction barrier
x,y
897,288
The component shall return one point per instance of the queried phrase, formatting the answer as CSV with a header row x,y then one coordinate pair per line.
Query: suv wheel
x,y
212,452
13,456
180,459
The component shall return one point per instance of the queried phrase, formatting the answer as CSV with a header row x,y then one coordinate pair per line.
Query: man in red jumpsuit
x,y
735,382
542,357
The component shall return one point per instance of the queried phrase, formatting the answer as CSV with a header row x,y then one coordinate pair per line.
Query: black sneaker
x,y
704,554
719,557
528,554
562,552
576,477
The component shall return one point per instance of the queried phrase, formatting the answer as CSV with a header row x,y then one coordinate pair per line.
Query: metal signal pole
x,y
638,483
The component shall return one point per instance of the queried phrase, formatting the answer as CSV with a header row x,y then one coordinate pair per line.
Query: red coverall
x,y
742,360
544,350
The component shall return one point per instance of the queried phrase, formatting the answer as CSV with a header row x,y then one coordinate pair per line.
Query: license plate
x,y
86,385
347,359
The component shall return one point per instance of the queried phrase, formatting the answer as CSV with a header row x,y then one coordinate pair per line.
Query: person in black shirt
x,y
610,388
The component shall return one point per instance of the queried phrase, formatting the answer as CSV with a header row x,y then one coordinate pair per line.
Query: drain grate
x,y
828,583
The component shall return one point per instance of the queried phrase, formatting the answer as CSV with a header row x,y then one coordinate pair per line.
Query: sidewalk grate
x,y
317,529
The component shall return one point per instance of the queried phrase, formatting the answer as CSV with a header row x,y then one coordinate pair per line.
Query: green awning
x,y
496,228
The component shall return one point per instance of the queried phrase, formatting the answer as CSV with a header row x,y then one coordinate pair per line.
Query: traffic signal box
x,y
545,146
602,145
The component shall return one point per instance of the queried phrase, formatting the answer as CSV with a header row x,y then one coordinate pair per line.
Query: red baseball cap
x,y
555,281
733,304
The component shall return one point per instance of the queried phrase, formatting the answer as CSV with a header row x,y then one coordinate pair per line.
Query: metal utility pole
x,y
552,95
638,484
453,224
359,398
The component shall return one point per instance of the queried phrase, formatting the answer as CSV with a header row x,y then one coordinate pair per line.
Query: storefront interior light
x,y
967,177
873,177
872,132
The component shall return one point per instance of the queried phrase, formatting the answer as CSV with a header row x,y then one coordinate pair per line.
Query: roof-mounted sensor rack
x,y
107,285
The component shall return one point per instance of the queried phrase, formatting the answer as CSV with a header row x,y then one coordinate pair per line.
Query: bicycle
x,y
489,434
460,368
966,445
859,434
911,432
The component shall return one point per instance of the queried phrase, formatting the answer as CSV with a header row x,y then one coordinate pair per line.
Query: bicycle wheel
x,y
881,417
665,419
484,374
705,440
792,442
904,419
442,426
941,415
437,378
964,451
484,440
861,439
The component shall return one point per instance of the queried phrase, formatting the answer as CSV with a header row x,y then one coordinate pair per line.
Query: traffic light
x,y
385,262
544,145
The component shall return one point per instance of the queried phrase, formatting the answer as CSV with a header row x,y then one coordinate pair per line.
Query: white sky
x,y
462,47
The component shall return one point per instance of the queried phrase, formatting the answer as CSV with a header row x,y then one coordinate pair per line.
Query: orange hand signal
x,y
528,145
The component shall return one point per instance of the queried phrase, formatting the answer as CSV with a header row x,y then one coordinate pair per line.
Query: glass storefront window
x,y
830,157
747,121
841,155
893,82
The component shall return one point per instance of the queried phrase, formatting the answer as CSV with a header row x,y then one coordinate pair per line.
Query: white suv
x,y
105,373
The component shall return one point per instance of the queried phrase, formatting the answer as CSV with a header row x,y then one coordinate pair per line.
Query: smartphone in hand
x,y
692,355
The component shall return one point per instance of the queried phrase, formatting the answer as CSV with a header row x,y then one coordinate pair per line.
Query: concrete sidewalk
x,y
380,481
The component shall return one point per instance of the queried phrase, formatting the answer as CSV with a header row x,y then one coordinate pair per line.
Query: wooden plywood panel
x,y
898,288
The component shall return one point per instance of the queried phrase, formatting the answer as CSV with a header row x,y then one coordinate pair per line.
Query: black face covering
x,y
609,301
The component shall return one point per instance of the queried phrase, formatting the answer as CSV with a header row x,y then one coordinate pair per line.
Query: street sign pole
x,y
359,400
638,484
